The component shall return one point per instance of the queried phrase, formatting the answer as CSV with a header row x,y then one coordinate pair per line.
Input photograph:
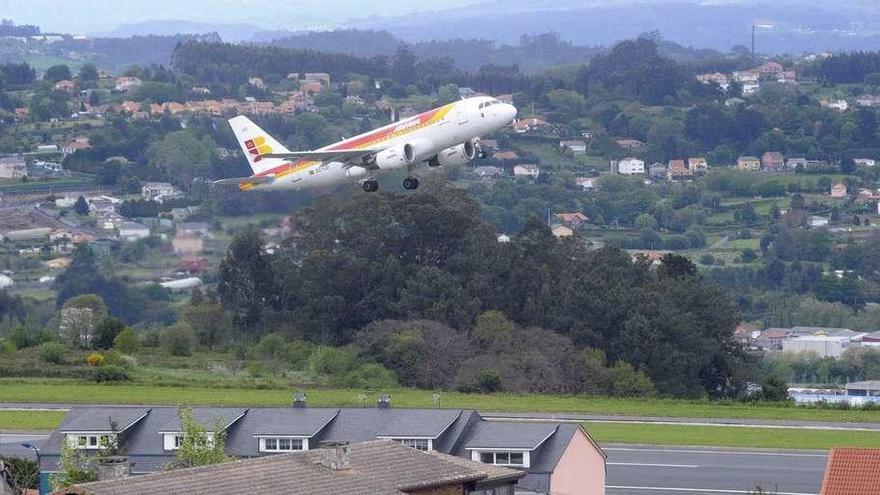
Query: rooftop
x,y
852,472
100,418
380,467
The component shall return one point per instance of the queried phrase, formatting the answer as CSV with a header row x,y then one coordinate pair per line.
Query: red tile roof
x,y
852,472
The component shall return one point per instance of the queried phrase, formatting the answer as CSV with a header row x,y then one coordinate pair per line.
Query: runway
x,y
658,470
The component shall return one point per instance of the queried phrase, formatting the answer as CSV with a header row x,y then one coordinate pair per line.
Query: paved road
x,y
657,470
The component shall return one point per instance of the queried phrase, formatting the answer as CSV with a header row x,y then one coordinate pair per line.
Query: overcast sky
x,y
95,16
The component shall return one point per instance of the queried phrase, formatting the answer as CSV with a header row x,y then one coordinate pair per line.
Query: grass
x,y
30,420
730,436
75,391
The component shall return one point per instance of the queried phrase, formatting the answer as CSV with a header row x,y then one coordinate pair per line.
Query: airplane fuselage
x,y
426,134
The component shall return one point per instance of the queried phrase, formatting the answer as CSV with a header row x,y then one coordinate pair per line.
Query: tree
x,y
674,266
79,318
81,207
106,332
177,340
75,467
247,281
211,323
199,447
493,329
774,389
127,341
57,73
403,66
88,73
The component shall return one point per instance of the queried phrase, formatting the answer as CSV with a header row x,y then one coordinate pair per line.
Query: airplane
x,y
439,137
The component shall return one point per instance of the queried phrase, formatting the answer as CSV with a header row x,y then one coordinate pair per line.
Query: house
x,y
698,165
376,466
489,144
38,233
629,144
187,244
571,220
58,263
182,284
822,345
677,170
505,155
157,190
586,182
868,101
852,471
310,87
6,281
554,457
771,338
718,78
772,160
770,69
631,166
528,124
787,77
817,221
752,163
257,82
561,231
317,76
133,231
109,221
732,102
65,85
75,144
794,163
13,167
657,170
193,264
575,147
838,190
193,228
125,83
526,170
750,88
864,162
746,76
839,105
488,172
100,206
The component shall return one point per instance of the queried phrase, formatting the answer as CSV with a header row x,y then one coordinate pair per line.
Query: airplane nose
x,y
509,112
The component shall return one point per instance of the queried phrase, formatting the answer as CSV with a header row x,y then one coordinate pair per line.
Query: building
x,y
570,220
698,165
257,82
657,170
133,231
65,86
317,76
75,144
586,183
677,170
125,83
187,244
193,228
505,155
772,160
852,471
817,221
488,172
561,231
770,69
750,88
157,190
722,80
555,457
575,146
109,221
868,101
377,466
522,126
794,163
864,162
631,166
526,170
13,167
629,144
838,190
823,345
38,233
752,163
839,105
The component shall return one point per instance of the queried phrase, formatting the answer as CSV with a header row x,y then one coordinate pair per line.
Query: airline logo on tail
x,y
257,147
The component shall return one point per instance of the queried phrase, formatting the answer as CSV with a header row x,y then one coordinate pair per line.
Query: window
x,y
503,458
89,441
178,439
416,443
82,441
277,444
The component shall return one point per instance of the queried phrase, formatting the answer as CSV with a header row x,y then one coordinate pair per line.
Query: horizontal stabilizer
x,y
320,155
254,179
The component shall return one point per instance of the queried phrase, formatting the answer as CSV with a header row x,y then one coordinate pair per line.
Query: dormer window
x,y
423,444
90,441
282,444
499,457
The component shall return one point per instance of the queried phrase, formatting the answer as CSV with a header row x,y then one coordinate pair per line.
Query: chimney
x,y
299,399
336,456
384,402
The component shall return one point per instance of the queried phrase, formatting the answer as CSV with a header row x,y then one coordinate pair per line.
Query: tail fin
x,y
255,142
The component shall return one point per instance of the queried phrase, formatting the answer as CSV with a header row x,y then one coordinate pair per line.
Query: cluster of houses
x,y
823,341
677,169
751,79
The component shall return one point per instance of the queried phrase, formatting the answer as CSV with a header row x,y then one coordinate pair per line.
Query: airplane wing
x,y
324,155
254,179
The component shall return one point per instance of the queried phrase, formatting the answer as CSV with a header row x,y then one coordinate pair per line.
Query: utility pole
x,y
753,42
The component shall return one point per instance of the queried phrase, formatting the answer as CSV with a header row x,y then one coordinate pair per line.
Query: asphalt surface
x,y
659,470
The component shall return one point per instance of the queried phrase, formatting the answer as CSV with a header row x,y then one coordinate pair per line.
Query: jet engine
x,y
394,157
456,155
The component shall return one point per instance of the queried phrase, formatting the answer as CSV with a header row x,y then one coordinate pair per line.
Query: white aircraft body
x,y
443,136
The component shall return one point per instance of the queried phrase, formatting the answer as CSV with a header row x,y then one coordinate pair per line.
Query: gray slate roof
x,y
207,417
498,435
98,419
377,467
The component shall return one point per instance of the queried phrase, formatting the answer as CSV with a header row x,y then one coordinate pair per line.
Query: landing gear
x,y
410,183
371,185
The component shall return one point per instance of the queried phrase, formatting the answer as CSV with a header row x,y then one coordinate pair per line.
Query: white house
x,y
586,182
526,170
631,166
823,345
839,105
575,146
132,231
865,162
157,190
817,221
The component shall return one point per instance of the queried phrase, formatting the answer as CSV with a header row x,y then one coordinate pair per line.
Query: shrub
x,y
53,352
111,373
112,357
370,375
151,339
106,332
177,340
297,353
490,380
95,359
627,381
126,342
337,361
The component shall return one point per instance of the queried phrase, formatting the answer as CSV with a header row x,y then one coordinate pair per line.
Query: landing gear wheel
x,y
371,185
410,183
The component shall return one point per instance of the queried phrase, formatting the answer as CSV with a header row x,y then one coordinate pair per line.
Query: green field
x,y
30,420
73,391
